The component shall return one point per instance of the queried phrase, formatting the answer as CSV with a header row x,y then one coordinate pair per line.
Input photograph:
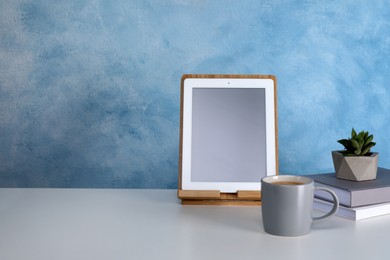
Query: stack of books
x,y
358,200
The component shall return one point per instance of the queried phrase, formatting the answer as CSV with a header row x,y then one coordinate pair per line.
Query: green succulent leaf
x,y
344,142
355,144
365,151
360,136
353,134
368,140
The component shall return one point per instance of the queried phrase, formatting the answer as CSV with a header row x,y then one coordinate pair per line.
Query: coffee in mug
x,y
288,183
287,202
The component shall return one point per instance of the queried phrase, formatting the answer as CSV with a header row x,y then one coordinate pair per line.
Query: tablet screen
x,y
228,135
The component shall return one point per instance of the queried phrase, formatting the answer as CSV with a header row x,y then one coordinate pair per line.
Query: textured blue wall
x,y
89,90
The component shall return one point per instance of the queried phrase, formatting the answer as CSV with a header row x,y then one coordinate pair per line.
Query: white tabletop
x,y
112,224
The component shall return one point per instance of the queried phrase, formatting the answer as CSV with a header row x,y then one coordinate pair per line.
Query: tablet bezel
x,y
190,82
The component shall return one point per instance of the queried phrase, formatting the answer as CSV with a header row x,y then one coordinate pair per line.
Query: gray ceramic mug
x,y
287,203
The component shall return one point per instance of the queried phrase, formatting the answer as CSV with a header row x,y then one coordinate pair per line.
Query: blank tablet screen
x,y
228,135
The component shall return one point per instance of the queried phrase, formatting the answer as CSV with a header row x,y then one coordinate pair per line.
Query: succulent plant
x,y
359,144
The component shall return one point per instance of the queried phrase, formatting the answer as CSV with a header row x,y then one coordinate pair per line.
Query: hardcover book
x,y
354,213
354,193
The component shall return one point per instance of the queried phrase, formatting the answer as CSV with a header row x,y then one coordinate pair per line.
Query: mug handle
x,y
335,205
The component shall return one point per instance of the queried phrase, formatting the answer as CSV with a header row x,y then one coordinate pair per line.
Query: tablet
x,y
228,132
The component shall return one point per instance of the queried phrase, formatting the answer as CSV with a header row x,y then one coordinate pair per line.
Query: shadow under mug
x,y
286,204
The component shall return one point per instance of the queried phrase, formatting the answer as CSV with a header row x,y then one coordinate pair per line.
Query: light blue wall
x,y
89,90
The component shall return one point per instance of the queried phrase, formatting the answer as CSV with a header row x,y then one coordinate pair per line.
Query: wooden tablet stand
x,y
215,197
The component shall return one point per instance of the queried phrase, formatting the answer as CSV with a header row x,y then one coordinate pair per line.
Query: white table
x,y
84,224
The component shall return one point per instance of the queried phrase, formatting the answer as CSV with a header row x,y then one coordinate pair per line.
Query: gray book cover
x,y
382,180
354,193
